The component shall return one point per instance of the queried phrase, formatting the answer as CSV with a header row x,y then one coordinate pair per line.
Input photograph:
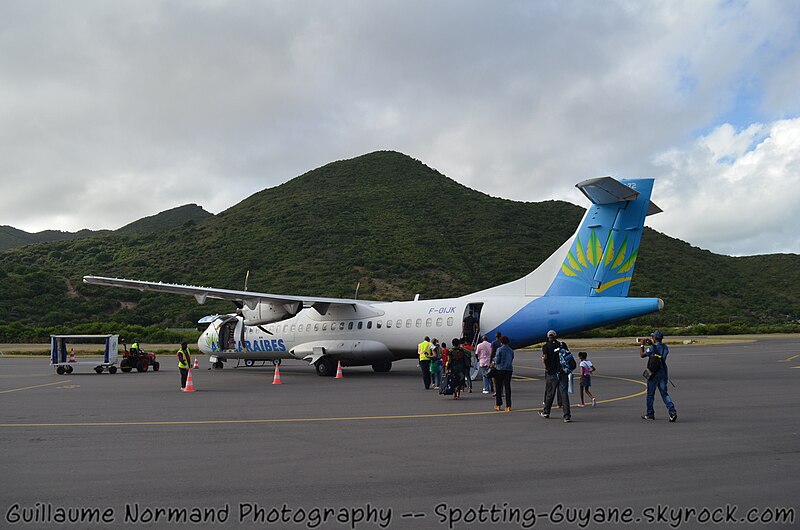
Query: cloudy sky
x,y
114,110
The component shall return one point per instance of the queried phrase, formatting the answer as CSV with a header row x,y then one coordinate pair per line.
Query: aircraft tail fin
x,y
602,253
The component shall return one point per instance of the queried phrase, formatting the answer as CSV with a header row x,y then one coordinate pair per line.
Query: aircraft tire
x,y
382,366
218,365
326,367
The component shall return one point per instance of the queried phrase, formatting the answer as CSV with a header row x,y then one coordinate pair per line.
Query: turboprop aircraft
x,y
582,285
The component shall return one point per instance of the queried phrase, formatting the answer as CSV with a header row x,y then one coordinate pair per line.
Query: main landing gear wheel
x,y
326,367
382,366
218,365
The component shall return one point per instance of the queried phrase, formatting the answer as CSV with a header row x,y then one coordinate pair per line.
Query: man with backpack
x,y
657,375
558,363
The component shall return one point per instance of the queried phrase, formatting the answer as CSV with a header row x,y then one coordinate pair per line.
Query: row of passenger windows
x,y
342,326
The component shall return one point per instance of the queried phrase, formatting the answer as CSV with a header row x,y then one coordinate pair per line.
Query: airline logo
x,y
613,263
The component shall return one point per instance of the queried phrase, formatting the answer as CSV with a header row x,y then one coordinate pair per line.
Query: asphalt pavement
x,y
379,451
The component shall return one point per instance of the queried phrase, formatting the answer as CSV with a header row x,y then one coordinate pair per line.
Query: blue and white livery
x,y
583,285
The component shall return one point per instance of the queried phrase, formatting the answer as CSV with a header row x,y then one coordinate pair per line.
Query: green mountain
x,y
383,220
11,237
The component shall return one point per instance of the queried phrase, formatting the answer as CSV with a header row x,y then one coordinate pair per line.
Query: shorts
x,y
587,381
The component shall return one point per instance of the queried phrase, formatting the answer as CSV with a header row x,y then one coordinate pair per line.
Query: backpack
x,y
654,363
566,359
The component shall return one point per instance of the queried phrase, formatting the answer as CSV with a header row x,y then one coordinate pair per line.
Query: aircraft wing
x,y
249,299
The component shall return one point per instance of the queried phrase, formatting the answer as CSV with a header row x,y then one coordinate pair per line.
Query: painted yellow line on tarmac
x,y
792,358
306,420
35,386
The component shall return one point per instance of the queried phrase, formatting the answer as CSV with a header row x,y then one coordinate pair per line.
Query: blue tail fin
x,y
603,254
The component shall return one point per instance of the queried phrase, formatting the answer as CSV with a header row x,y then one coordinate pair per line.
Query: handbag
x,y
491,373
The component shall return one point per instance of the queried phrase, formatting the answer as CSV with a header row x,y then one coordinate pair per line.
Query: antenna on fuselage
x,y
246,279
357,286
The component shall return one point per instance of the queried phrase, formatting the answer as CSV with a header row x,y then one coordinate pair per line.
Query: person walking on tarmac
x,y
555,380
656,353
425,355
184,362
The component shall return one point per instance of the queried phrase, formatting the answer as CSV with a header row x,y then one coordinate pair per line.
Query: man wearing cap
x,y
555,380
184,362
659,378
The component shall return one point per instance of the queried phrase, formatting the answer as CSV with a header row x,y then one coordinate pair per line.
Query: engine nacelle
x,y
268,312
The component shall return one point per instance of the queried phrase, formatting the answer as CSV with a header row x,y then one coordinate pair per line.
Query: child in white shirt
x,y
586,378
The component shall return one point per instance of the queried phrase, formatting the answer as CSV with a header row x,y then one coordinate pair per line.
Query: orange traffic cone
x,y
189,383
339,371
276,380
72,356
195,363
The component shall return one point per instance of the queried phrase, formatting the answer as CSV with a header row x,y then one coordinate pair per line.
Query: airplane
x,y
584,284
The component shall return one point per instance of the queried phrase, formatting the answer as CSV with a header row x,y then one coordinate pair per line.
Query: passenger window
x,y
419,322
350,326
450,321
341,326
316,327
292,328
388,323
369,324
428,323
360,324
324,327
285,328
399,323
379,323
439,322
408,323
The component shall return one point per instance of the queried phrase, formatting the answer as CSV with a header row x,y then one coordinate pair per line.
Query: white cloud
x,y
734,191
110,111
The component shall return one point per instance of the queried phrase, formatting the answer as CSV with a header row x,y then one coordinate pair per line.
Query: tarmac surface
x,y
378,451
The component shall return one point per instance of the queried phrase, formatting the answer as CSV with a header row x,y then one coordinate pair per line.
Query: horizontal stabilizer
x,y
606,190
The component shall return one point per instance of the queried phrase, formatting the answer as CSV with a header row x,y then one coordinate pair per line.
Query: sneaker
x,y
673,417
485,392
594,402
508,409
497,407
567,420
543,415
580,405
649,418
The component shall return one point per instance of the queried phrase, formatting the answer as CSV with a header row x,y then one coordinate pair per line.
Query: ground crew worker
x,y
184,362
425,355
135,347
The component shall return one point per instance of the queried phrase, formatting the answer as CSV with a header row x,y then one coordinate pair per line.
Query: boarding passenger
x,y
184,362
424,351
469,328
656,353
436,356
484,354
504,364
495,345
586,368
467,347
456,366
556,381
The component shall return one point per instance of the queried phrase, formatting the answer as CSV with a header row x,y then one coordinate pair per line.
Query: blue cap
x,y
657,335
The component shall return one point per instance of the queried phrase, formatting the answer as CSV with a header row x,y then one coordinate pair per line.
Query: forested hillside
x,y
385,220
